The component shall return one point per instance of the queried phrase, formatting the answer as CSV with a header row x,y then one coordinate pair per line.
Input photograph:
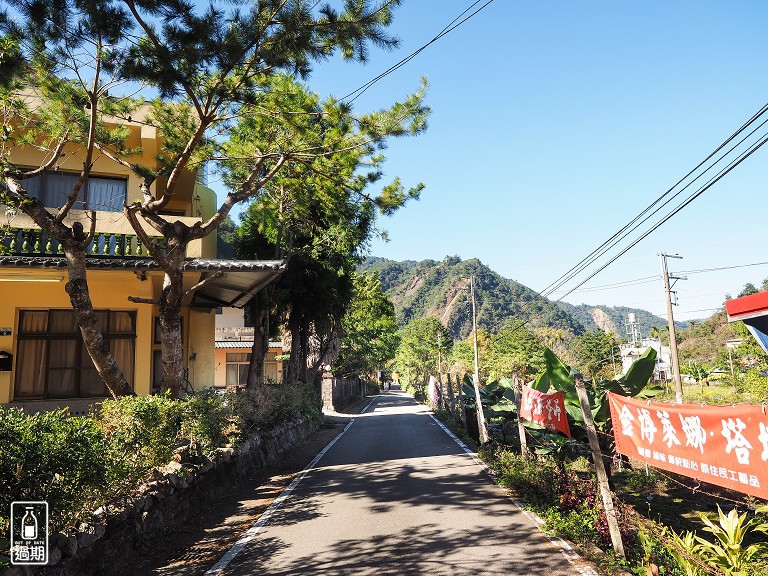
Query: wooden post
x,y
602,477
451,397
476,377
520,427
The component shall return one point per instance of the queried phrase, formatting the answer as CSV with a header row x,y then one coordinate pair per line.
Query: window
x,y
52,361
237,368
98,193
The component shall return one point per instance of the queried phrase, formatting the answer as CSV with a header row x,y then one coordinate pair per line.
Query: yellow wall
x,y
109,290
272,368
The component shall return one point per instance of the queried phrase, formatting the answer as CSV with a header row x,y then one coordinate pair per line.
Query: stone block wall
x,y
108,544
338,392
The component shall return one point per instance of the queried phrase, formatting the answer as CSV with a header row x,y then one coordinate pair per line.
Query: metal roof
x,y
233,344
237,282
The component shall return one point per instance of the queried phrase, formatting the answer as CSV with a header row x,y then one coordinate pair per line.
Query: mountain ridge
x,y
441,289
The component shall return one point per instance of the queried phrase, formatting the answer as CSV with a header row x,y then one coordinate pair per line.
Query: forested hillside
x,y
614,318
441,289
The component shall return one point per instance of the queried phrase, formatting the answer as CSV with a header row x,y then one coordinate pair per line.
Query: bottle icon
x,y
29,525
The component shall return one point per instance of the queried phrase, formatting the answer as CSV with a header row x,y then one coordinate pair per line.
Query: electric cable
x,y
634,224
713,180
447,30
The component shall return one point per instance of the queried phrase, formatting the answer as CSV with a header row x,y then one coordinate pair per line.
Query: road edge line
x,y
571,555
224,561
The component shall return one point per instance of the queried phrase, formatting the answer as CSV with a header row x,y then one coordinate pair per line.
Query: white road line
x,y
573,557
219,567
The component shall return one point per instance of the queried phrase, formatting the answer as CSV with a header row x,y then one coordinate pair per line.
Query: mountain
x,y
441,289
614,318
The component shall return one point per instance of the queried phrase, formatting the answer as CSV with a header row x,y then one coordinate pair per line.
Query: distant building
x,y
631,352
232,351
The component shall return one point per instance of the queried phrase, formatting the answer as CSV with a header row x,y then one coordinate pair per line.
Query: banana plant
x,y
635,384
686,551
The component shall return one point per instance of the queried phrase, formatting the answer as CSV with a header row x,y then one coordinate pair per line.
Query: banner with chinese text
x,y
722,445
545,409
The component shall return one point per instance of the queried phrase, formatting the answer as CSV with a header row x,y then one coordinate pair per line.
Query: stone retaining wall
x,y
114,538
338,392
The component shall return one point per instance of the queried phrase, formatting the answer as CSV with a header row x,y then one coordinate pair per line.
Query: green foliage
x,y
755,385
614,317
419,289
686,552
727,552
50,456
748,289
635,383
317,211
204,421
260,408
77,464
144,430
420,343
369,329
596,353
514,350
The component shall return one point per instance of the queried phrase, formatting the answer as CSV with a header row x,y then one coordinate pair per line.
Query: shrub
x,y
204,421
49,456
262,407
372,388
755,386
143,430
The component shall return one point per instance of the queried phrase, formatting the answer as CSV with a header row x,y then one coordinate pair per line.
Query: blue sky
x,y
554,123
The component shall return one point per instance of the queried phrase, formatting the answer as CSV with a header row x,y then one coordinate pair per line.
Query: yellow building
x,y
43,363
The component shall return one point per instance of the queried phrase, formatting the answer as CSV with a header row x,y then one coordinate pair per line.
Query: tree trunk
x,y
303,349
329,351
292,373
95,344
171,343
260,306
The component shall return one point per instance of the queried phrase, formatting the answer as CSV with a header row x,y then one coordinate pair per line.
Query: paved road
x,y
396,494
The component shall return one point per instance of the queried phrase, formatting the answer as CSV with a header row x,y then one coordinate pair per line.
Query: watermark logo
x,y
29,533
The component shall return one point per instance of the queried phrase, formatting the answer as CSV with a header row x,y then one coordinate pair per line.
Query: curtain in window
x,y
106,194
30,355
63,362
50,345
53,189
58,187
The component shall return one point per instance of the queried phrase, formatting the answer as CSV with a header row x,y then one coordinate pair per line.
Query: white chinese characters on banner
x,y
547,409
723,445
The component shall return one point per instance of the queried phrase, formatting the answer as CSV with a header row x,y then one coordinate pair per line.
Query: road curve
x,y
395,494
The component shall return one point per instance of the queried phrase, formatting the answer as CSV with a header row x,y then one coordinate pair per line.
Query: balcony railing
x,y
35,242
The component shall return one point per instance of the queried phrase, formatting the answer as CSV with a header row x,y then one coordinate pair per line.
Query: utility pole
x,y
476,376
671,322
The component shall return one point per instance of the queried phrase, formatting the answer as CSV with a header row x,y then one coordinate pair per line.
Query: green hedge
x,y
77,464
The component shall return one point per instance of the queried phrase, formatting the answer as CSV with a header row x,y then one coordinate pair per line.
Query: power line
x,y
624,284
447,30
703,270
650,211
653,209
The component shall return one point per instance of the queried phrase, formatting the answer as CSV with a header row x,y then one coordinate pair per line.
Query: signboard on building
x,y
722,445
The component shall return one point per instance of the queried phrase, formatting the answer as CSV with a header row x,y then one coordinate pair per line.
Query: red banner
x,y
545,409
723,445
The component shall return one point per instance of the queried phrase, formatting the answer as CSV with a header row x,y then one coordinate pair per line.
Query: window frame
x,y
50,336
83,199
